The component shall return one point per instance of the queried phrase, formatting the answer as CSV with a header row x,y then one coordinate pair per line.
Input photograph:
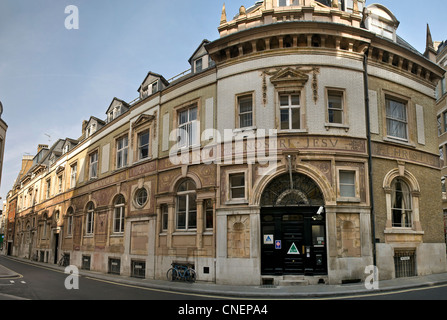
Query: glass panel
x,y
192,211
396,110
208,214
164,215
237,180
397,129
144,138
181,203
285,119
347,191
245,104
94,170
192,219
347,184
181,220
192,114
318,235
284,100
246,120
347,177
335,116
120,200
237,185
238,193
143,141
141,197
335,100
295,100
187,185
193,133
183,117
296,121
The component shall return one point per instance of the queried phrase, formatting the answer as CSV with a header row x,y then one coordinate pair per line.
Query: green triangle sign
x,y
293,249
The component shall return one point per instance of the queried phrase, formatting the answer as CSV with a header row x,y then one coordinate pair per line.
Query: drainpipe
x,y
370,171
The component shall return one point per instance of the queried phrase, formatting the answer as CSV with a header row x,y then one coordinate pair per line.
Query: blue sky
x,y
51,78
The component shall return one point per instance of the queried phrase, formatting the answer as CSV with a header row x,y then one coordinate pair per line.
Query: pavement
x,y
211,290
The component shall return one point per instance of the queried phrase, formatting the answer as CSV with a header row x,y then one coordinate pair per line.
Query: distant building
x,y
3,129
438,53
255,166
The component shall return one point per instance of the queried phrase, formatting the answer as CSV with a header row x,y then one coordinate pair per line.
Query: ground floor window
x,y
405,263
138,269
114,266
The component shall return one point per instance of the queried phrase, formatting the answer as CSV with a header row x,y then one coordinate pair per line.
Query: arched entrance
x,y
293,227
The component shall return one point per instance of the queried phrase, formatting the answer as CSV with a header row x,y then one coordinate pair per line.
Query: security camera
x,y
320,210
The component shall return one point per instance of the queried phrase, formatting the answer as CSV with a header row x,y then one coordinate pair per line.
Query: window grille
x,y
86,261
114,266
138,269
405,263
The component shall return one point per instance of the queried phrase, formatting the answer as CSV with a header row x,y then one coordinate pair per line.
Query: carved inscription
x,y
394,152
322,143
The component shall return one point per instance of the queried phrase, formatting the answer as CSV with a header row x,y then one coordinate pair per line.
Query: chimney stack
x,y
41,146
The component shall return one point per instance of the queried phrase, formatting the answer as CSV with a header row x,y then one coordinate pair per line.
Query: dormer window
x,y
66,149
116,112
155,87
110,116
198,65
91,129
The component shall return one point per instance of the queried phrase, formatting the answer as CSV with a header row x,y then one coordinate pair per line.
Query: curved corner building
x,y
301,148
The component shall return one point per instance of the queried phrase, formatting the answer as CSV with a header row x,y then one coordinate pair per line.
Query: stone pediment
x,y
142,119
289,77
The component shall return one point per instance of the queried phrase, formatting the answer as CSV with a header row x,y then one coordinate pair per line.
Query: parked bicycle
x,y
181,272
64,260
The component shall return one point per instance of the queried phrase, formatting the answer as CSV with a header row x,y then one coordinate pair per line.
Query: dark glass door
x,y
293,241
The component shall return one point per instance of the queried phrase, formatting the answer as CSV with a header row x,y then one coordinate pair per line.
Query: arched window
x,y
186,206
89,224
70,221
118,216
401,204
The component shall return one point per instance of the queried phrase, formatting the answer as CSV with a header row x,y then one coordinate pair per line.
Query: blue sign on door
x,y
278,244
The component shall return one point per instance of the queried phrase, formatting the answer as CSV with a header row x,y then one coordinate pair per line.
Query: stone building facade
x,y
439,54
257,166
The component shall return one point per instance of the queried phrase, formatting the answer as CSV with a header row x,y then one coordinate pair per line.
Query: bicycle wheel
x,y
190,275
172,275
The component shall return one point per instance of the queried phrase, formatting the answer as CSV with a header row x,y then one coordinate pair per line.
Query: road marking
x,y
429,287
23,282
165,291
12,281
35,265
13,277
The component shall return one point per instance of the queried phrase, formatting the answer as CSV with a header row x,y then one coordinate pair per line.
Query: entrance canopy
x,y
292,190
